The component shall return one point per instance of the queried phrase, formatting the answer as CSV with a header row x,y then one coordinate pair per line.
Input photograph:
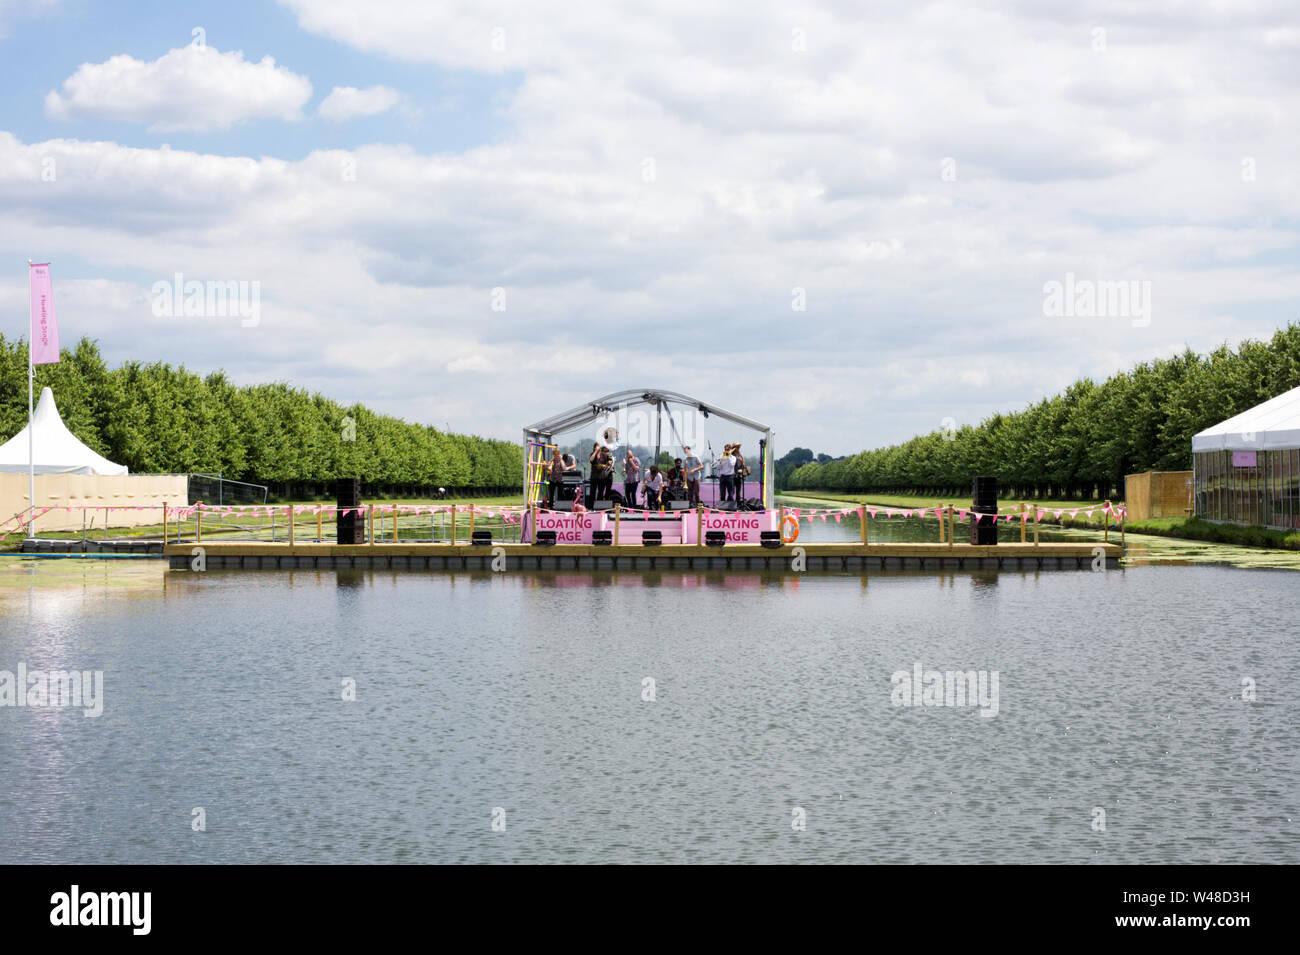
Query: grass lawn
x,y
813,498
1193,528
250,527
906,500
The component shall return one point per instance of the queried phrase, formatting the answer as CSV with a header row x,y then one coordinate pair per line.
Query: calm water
x,y
1118,690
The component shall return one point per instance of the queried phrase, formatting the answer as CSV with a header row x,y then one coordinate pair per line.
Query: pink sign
x,y
44,329
1243,459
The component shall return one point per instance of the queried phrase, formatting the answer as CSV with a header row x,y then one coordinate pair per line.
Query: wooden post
x,y
1035,525
319,535
780,525
394,523
862,522
198,522
1023,526
1105,524
471,522
699,525
290,525
618,508
939,512
370,520
453,524
1121,528
29,527
83,522
952,523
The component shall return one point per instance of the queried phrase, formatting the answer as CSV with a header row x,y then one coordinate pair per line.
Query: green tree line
x,y
1082,442
155,418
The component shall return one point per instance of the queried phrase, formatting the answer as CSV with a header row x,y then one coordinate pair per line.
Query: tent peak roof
x,y
599,407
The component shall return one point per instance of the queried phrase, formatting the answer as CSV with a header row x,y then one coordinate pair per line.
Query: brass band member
x,y
693,468
602,472
631,478
740,472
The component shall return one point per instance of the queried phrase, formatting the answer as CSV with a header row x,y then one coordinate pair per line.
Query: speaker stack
x,y
351,527
984,494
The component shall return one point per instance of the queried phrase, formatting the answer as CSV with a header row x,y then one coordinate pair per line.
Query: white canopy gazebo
x,y
1246,469
57,450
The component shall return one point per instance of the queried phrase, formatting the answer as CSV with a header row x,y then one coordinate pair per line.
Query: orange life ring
x,y
794,536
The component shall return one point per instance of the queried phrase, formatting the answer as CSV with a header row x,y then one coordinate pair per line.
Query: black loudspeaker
x,y
984,491
770,538
602,538
602,505
652,538
563,506
545,538
482,538
984,531
679,505
347,491
715,538
350,528
724,506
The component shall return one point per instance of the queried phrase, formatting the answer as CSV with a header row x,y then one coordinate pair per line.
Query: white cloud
x,y
469,363
191,88
770,169
347,102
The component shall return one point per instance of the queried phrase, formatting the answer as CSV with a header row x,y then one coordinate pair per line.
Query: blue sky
x,y
840,223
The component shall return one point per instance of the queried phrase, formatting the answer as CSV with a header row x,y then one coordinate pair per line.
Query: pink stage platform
x,y
681,527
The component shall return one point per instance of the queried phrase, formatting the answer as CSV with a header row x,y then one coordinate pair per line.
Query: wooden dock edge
x,y
513,557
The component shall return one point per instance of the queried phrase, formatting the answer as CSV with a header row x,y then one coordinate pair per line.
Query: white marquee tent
x,y
58,451
1275,424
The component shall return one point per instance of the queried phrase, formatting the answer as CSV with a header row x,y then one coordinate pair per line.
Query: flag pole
x,y
31,434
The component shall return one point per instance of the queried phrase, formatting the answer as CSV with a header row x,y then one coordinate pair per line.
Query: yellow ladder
x,y
538,461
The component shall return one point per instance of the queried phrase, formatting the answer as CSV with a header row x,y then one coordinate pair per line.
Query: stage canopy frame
x,y
602,408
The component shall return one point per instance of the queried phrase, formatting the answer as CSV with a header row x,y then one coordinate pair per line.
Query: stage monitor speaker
x,y
679,505
545,538
563,506
602,505
481,538
602,538
652,538
724,506
715,538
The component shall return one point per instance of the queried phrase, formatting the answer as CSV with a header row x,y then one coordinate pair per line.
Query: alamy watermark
x,y
922,687
178,298
53,688
1089,298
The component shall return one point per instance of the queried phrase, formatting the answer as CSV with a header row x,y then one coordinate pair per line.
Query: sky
x,y
851,221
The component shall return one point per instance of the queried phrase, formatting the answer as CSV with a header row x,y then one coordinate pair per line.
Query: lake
x,y
511,717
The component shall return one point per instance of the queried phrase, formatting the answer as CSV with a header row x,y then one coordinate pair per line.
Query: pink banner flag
x,y
44,329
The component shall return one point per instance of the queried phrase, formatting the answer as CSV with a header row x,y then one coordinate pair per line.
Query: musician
x,y
631,477
693,468
653,487
555,473
725,469
602,472
740,471
676,476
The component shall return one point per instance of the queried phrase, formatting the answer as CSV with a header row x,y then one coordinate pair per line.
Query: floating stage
x,y
522,558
